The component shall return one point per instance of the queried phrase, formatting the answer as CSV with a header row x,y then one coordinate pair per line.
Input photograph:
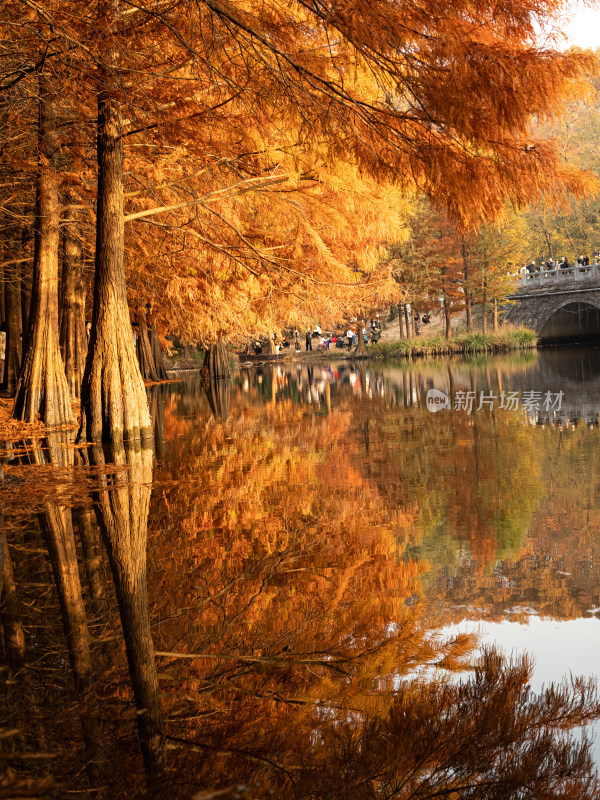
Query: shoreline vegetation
x,y
501,341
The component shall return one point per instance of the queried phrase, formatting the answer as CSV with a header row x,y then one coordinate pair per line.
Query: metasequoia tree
x,y
42,385
415,95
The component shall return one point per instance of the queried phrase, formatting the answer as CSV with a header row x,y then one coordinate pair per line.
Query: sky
x,y
583,27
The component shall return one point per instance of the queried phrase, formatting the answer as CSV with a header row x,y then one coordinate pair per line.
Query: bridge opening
x,y
574,322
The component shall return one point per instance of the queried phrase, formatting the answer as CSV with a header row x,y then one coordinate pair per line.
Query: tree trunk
x,y
157,355
26,280
495,313
467,288
144,351
400,325
361,349
447,318
406,321
73,336
122,506
12,352
113,397
216,361
484,302
43,387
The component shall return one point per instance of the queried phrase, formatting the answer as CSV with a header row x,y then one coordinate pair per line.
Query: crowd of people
x,y
316,340
562,263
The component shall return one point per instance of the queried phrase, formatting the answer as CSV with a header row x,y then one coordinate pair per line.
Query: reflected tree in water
x,y
122,502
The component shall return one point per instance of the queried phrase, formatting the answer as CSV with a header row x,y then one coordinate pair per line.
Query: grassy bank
x,y
501,341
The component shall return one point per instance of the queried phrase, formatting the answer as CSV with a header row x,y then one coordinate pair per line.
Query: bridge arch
x,y
570,319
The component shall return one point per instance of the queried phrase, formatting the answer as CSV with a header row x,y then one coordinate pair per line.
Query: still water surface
x,y
318,561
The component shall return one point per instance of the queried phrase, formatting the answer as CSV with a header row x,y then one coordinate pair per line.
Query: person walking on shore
x,y
350,337
308,341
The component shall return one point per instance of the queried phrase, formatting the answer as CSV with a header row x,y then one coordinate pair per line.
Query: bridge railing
x,y
568,275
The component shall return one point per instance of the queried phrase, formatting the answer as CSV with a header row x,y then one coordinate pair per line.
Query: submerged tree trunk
x,y
216,361
113,397
42,387
122,506
12,352
157,355
144,351
73,336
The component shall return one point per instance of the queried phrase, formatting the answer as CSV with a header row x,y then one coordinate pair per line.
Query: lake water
x,y
335,580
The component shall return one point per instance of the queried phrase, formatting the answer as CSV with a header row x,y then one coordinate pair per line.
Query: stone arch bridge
x,y
561,305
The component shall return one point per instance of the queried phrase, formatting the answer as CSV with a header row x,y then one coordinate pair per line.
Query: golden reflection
x,y
257,597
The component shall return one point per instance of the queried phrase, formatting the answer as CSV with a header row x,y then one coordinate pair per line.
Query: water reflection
x,y
252,603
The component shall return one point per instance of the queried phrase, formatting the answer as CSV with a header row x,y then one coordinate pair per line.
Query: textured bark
x,y
113,398
73,336
12,355
216,361
144,350
42,387
157,355
400,325
122,506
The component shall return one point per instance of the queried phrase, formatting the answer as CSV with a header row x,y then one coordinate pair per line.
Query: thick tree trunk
x,y
42,385
12,353
144,350
122,506
157,355
216,361
113,397
73,336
